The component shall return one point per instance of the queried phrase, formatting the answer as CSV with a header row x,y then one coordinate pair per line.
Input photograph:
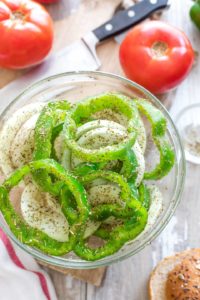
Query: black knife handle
x,y
127,18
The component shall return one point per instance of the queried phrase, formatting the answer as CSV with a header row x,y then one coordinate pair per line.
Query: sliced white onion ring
x,y
101,137
22,147
141,163
155,205
59,146
97,124
91,227
141,138
110,115
104,194
93,138
9,131
42,211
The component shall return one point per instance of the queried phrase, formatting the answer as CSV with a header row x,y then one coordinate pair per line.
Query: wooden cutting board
x,y
91,14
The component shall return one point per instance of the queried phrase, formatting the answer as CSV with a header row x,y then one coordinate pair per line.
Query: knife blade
x,y
81,55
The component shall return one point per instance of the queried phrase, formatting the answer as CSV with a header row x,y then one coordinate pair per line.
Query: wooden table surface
x,y
128,279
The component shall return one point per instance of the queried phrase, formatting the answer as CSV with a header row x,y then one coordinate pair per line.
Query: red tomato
x,y
156,55
47,1
26,33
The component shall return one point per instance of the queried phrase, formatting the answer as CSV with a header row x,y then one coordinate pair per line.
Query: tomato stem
x,y
159,49
18,15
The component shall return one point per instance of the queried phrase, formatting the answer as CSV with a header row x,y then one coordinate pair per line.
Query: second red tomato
x,y
156,55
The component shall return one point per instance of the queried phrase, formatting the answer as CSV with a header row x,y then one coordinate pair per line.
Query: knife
x,y
81,55
126,4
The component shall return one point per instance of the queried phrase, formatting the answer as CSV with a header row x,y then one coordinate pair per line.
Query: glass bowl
x,y
74,86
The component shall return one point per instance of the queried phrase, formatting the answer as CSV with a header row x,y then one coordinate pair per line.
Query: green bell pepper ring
x,y
68,206
128,169
154,115
102,212
85,168
167,158
66,199
116,239
55,133
83,110
144,196
105,210
102,232
32,236
131,204
134,190
130,164
52,114
125,195
158,125
195,13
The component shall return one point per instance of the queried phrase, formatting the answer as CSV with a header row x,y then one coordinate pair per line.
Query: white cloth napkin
x,y
20,275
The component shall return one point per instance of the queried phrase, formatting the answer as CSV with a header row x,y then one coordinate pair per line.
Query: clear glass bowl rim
x,y
66,263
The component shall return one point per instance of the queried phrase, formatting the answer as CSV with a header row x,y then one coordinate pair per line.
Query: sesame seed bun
x,y
177,277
